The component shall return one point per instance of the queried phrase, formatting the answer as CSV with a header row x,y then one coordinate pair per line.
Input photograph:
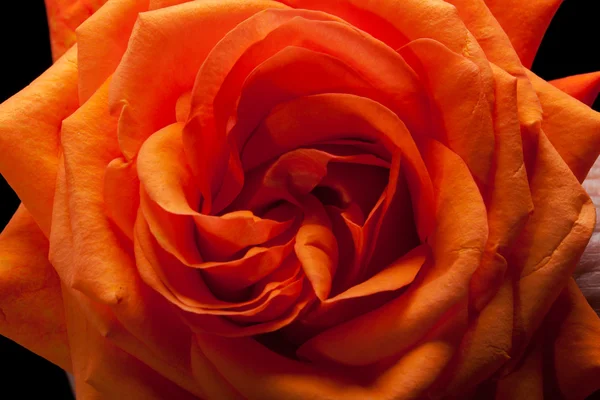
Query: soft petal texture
x,y
509,202
121,193
94,258
102,370
30,123
374,336
584,87
144,108
64,16
563,359
465,126
411,19
572,127
31,305
544,267
97,59
445,276
576,348
525,23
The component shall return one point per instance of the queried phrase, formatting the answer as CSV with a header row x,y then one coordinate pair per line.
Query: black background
x,y
25,54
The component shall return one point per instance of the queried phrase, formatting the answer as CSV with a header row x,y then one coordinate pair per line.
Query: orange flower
x,y
303,199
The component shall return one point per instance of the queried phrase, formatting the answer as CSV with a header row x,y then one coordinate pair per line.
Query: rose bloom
x,y
302,199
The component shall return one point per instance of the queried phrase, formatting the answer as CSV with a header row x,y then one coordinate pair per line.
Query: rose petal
x,y
256,372
564,357
64,16
259,38
413,19
169,200
545,266
90,254
302,122
457,248
359,299
390,230
108,370
122,194
213,383
29,136
464,126
524,23
509,200
527,382
184,286
576,347
97,59
484,347
144,108
583,87
572,127
31,305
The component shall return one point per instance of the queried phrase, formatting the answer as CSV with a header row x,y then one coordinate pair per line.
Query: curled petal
x,y
457,246
572,127
93,257
303,121
524,23
259,38
31,305
465,126
64,16
576,328
121,193
97,59
509,196
584,87
30,123
144,108
545,266
102,369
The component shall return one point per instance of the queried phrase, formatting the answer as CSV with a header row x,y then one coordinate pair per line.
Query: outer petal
x,y
525,22
584,87
31,306
572,127
91,255
563,359
576,346
102,41
564,216
64,16
29,126
104,371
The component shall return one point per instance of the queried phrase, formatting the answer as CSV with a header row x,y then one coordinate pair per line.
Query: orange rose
x,y
303,200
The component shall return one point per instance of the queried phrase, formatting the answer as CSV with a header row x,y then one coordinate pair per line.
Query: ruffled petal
x,y
92,256
575,328
525,23
31,305
464,126
64,16
30,123
584,87
103,370
565,217
98,59
572,127
162,59
457,249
